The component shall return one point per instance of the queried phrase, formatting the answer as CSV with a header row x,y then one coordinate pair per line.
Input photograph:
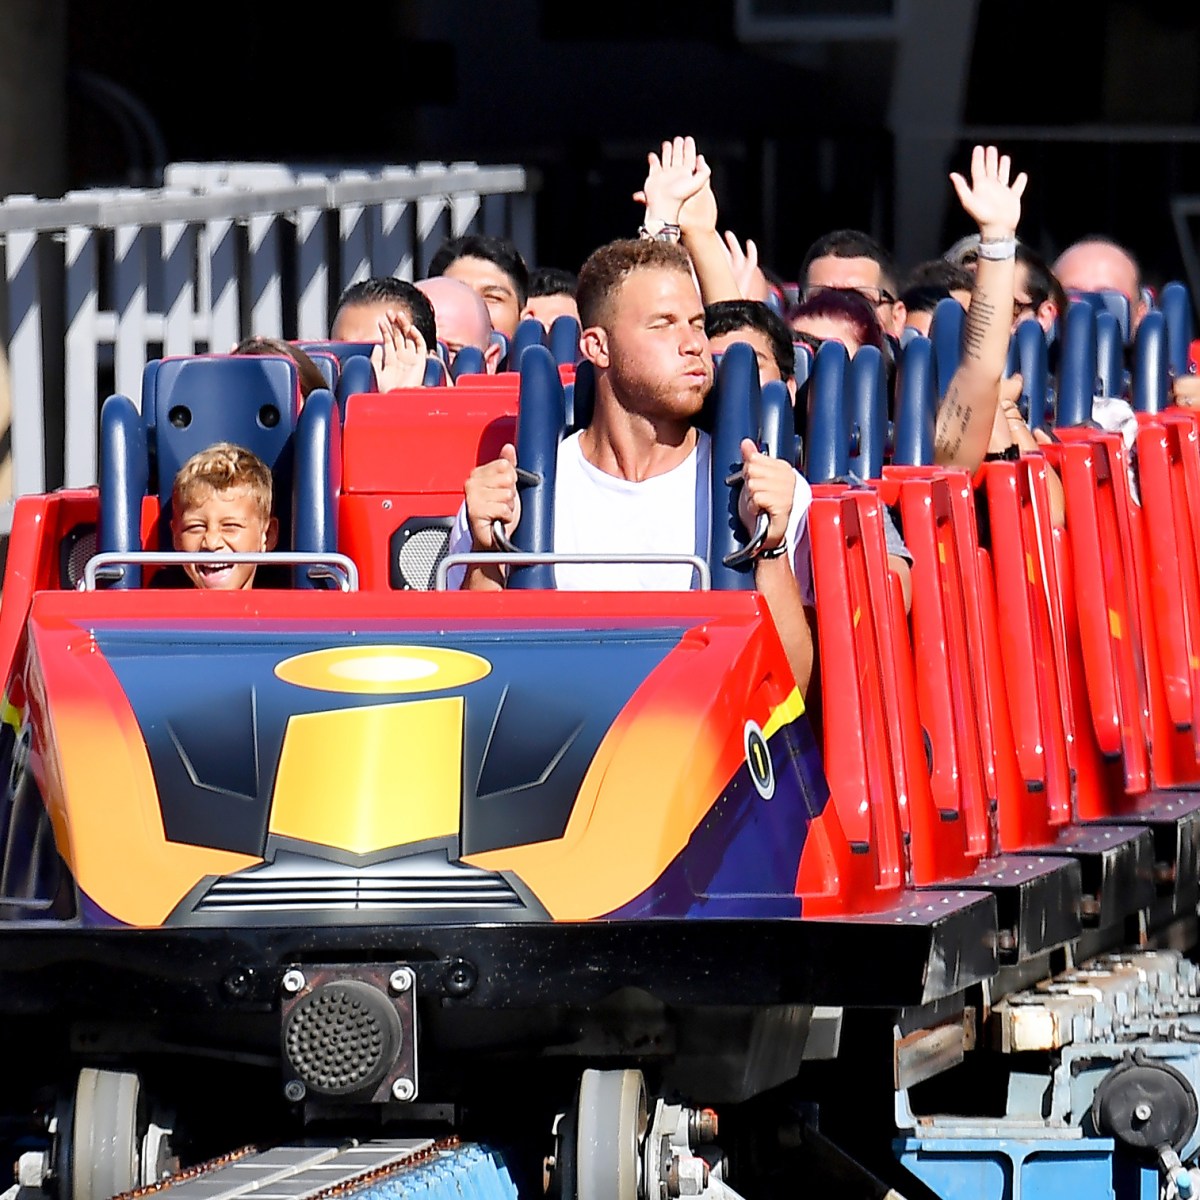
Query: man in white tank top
x,y
628,482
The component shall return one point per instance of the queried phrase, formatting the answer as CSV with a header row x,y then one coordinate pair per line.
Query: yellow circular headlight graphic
x,y
383,670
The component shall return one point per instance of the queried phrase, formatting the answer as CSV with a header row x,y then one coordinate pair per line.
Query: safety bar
x,y
347,581
523,559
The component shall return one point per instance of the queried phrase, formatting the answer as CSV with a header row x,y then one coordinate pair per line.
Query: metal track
x,y
394,1168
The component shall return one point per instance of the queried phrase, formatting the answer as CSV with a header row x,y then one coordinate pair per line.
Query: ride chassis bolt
x,y
293,981
400,980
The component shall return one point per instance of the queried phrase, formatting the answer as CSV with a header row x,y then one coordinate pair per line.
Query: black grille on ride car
x,y
422,882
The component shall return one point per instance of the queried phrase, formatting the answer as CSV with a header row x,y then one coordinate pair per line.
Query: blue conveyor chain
x,y
380,1169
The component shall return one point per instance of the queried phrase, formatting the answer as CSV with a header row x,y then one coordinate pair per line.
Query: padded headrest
x,y
250,400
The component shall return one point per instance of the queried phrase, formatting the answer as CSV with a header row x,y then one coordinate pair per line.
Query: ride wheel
x,y
611,1118
106,1134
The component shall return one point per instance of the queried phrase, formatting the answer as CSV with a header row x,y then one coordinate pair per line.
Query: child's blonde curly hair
x,y
218,469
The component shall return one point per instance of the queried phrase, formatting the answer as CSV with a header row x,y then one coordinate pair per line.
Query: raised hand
x,y
990,199
751,282
399,359
672,180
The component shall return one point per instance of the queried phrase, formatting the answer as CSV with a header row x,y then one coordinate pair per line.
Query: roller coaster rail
x,y
97,283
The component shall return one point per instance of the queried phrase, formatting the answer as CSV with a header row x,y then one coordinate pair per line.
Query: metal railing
x,y
97,283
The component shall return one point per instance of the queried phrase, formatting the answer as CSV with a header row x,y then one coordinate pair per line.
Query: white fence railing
x,y
99,282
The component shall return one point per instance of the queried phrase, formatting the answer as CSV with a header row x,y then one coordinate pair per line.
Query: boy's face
x,y
227,522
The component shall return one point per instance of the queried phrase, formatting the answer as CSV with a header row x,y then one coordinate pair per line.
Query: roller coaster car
x,y
389,850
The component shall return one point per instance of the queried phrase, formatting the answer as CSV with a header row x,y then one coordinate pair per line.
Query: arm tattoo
x,y
979,317
952,420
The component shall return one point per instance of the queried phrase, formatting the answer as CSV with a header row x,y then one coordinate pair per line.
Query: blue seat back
x,y
1107,300
317,457
1176,305
435,373
804,361
867,407
124,481
249,400
541,424
468,361
328,364
530,332
563,340
1077,363
916,404
499,339
339,350
354,372
737,414
946,333
1150,377
581,396
827,454
1028,355
357,375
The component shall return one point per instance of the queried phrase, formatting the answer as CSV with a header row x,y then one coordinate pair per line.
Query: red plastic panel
x,y
1174,583
1107,605
1028,600
423,440
951,679
872,775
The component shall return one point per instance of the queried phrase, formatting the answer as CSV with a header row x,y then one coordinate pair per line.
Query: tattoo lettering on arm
x,y
979,317
952,420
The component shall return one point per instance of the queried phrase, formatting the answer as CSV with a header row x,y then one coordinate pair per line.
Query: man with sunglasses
x,y
850,260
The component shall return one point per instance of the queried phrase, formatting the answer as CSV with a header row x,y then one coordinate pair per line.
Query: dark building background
x,y
815,113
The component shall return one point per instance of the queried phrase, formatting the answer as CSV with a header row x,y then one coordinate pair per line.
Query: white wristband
x,y
999,250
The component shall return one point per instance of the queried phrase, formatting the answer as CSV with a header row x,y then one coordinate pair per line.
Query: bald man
x,y
462,318
1098,265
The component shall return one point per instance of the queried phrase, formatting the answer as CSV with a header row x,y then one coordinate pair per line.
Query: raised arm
x,y
678,195
966,416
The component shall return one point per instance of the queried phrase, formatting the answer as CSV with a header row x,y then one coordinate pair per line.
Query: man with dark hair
x,y
848,259
927,285
751,321
628,482
494,268
363,305
394,315
551,295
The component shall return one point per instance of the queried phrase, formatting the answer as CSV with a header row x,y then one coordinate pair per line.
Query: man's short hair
x,y
850,243
931,282
938,272
731,316
496,250
607,268
551,281
219,468
387,289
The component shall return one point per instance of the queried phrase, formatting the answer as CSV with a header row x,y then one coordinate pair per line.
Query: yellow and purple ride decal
x,y
654,770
